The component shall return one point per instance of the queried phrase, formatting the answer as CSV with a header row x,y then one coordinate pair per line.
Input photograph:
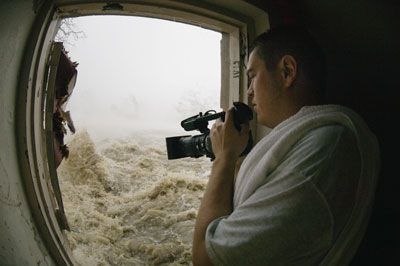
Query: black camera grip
x,y
241,114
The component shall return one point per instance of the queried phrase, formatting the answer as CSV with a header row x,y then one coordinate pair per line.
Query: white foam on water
x,y
127,204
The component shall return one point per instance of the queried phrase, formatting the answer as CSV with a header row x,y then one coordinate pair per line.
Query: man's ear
x,y
288,70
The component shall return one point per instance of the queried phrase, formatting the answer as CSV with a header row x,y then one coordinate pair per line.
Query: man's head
x,y
287,71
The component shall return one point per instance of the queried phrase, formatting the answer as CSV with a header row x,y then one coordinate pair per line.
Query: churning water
x,y
127,204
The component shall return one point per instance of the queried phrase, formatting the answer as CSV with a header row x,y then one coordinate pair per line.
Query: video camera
x,y
199,145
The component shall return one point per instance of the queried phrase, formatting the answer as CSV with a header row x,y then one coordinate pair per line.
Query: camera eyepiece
x,y
200,145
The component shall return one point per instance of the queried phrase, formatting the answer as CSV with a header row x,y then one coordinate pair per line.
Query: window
x,y
137,79
235,20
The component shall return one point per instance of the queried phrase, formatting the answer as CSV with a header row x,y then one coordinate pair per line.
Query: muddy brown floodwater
x,y
127,204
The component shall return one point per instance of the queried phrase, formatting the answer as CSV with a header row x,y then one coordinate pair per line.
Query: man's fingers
x,y
244,128
217,124
229,117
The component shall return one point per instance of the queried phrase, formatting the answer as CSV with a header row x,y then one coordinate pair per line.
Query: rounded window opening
x,y
125,203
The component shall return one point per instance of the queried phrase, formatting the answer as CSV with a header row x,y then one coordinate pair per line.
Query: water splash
x,y
127,204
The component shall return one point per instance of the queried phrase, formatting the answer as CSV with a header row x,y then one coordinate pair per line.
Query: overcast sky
x,y
139,73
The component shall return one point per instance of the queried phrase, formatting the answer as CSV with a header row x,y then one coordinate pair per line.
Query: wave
x,y
127,204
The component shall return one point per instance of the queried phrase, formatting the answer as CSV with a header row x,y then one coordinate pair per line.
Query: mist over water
x,y
138,78
142,74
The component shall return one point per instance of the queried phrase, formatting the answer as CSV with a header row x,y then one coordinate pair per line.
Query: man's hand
x,y
227,143
226,140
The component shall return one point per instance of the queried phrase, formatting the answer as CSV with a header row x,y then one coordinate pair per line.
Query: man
x,y
303,194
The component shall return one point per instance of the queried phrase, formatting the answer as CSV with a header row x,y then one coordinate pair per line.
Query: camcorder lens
x,y
189,146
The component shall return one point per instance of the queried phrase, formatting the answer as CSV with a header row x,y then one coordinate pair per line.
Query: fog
x,y
138,74
137,79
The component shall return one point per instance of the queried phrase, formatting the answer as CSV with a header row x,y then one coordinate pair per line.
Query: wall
x,y
20,243
360,38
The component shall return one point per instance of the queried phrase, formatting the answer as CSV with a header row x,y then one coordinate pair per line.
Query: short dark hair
x,y
298,42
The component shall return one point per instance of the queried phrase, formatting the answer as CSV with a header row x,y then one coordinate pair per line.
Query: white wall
x,y
20,243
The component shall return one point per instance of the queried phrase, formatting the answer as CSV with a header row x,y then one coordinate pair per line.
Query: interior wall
x,y
20,242
361,42
360,39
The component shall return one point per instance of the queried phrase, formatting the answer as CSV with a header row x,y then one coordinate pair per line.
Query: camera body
x,y
200,145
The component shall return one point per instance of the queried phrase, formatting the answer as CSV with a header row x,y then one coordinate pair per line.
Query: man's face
x,y
264,91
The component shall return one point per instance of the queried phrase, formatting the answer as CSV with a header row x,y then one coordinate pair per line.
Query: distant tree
x,y
69,32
